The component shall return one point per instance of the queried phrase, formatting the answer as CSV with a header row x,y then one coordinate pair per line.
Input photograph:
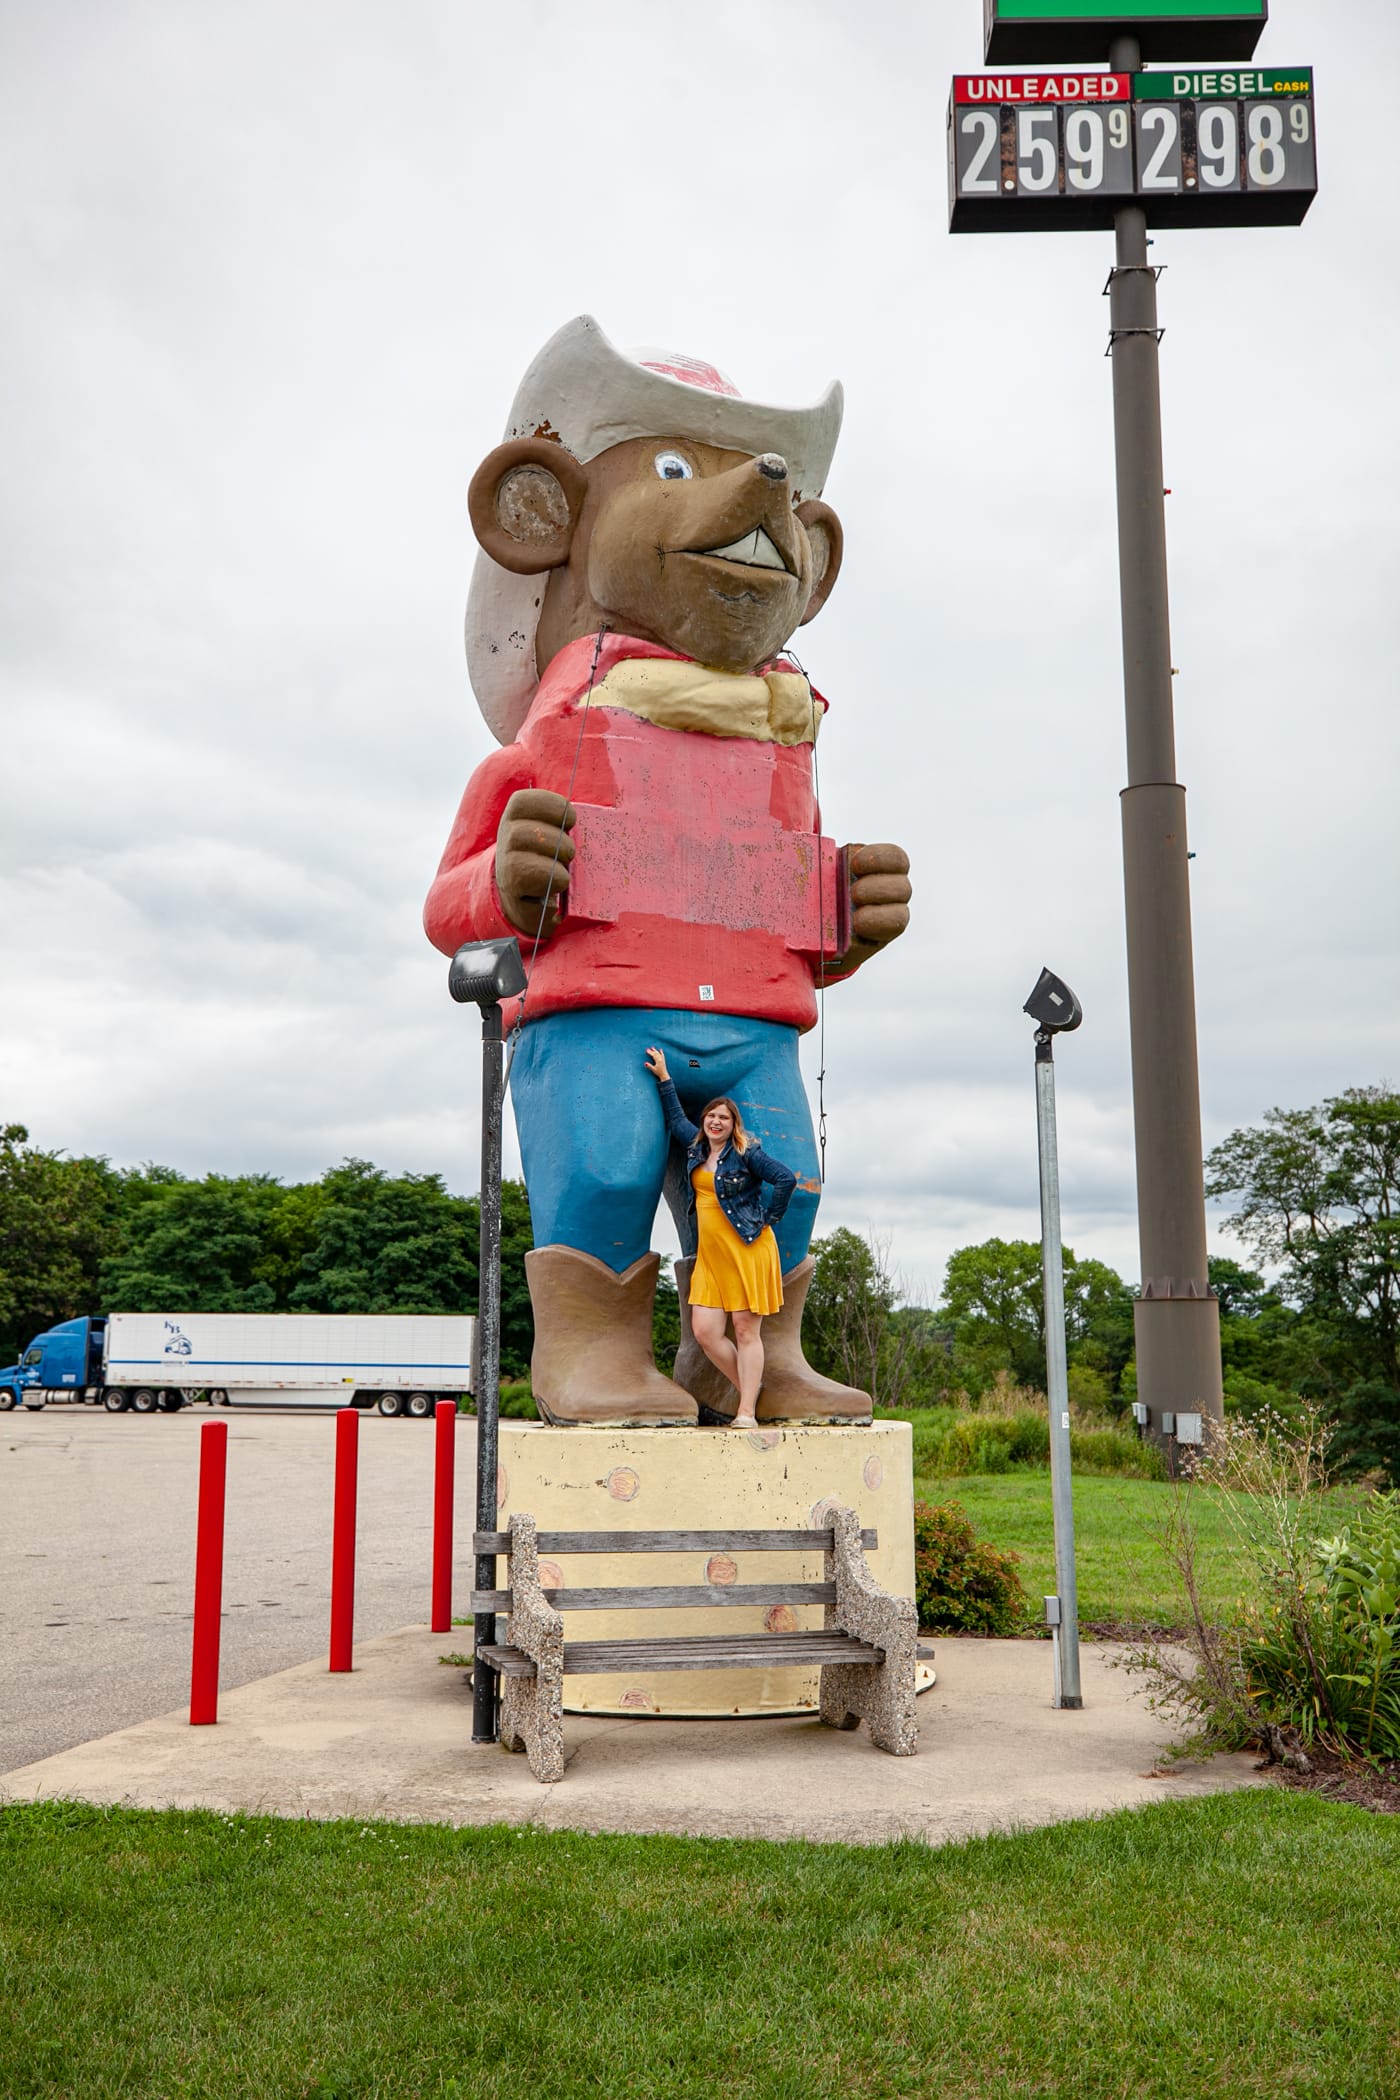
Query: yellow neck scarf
x,y
776,708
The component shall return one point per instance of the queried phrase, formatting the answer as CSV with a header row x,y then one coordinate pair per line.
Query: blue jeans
x,y
596,1155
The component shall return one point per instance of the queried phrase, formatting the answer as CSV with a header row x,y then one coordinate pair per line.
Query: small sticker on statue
x,y
707,991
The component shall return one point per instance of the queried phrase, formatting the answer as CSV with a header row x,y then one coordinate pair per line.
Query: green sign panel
x,y
1041,32
1124,14
1225,85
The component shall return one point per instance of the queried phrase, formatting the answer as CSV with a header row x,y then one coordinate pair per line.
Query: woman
x,y
737,1273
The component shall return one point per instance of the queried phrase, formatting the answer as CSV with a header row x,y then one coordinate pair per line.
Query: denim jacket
x,y
739,1176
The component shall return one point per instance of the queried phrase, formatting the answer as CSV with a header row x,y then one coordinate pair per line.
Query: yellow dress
x,y
728,1272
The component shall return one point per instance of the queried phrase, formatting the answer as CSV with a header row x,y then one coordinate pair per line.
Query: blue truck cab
x,y
64,1360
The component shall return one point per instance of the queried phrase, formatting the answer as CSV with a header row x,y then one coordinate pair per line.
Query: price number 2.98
x,y
1225,146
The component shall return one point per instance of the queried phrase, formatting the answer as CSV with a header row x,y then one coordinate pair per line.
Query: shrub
x,y
951,1442
1115,1451
961,1584
1090,1388
1317,1659
517,1401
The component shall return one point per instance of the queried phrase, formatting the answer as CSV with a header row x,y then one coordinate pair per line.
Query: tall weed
x,y
1314,1655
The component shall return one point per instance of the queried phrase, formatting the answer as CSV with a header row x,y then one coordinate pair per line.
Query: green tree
x,y
1318,1191
385,1245
994,1303
855,1330
517,1239
1242,1293
849,1303
380,1244
666,1318
190,1246
1265,1345
77,1236
55,1215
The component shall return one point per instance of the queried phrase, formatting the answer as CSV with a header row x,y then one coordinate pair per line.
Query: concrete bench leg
x,y
881,1695
532,1709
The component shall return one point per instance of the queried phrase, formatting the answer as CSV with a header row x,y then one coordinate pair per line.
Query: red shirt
x,y
700,879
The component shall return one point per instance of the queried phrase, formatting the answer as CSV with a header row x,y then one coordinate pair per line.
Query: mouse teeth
x,y
755,550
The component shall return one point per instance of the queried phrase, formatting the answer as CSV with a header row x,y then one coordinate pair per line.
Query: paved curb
x,y
392,1740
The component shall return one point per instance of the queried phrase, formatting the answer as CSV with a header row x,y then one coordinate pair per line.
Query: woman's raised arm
x,y
682,1130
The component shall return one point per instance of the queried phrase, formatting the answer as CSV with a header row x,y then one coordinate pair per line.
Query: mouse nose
x,y
773,465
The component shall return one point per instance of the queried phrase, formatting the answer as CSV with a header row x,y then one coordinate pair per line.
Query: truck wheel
x,y
217,1397
7,1399
116,1399
391,1403
144,1401
419,1405
171,1403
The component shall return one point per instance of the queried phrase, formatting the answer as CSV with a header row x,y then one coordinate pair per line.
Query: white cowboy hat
x,y
590,395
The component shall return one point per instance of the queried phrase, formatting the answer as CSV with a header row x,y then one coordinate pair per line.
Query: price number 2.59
x,y
1083,151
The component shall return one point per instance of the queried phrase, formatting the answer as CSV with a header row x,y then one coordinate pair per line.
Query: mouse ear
x,y
823,529
524,501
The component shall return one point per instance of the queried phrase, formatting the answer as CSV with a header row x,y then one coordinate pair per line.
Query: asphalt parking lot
x,y
97,1529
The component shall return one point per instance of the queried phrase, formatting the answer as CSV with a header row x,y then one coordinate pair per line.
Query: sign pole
x,y
1226,143
1176,1319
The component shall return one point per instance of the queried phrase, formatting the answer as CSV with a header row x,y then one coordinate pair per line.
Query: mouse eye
x,y
671,467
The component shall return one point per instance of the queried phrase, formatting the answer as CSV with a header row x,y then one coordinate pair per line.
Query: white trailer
x,y
400,1363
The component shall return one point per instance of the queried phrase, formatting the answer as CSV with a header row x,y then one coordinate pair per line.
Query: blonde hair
x,y
738,1137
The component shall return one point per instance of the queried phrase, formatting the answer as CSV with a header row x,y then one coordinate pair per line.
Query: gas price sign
x,y
1197,147
1037,32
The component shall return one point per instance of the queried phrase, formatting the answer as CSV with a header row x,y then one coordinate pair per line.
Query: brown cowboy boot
x,y
592,1359
792,1391
717,1400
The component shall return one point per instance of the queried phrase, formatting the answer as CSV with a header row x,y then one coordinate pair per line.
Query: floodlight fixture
x,y
484,972
1052,1005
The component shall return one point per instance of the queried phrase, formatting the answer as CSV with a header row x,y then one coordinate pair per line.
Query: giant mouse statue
x,y
650,540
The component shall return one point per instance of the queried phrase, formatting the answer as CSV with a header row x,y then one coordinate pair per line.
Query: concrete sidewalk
x,y
392,1740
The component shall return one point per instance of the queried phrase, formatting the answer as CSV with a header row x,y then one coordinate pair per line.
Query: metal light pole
x,y
1176,1319
1055,1010
483,974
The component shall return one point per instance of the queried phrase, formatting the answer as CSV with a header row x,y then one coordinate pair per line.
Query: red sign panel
x,y
999,88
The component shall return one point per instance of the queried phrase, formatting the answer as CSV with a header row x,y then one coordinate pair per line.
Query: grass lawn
x,y
1238,1946
1123,1573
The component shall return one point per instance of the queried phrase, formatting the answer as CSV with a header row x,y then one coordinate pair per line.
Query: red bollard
x,y
208,1574
446,1414
347,1434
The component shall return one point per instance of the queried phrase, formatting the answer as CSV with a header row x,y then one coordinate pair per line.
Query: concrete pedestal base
x,y
698,1479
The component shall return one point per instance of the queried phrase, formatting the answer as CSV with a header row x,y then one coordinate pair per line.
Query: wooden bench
x,y
866,1648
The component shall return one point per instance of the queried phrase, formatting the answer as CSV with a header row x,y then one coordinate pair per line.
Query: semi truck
x,y
152,1363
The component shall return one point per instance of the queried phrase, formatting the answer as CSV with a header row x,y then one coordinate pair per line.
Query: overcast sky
x,y
271,274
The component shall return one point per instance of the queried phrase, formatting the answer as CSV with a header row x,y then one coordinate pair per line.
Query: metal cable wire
x,y
821,932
